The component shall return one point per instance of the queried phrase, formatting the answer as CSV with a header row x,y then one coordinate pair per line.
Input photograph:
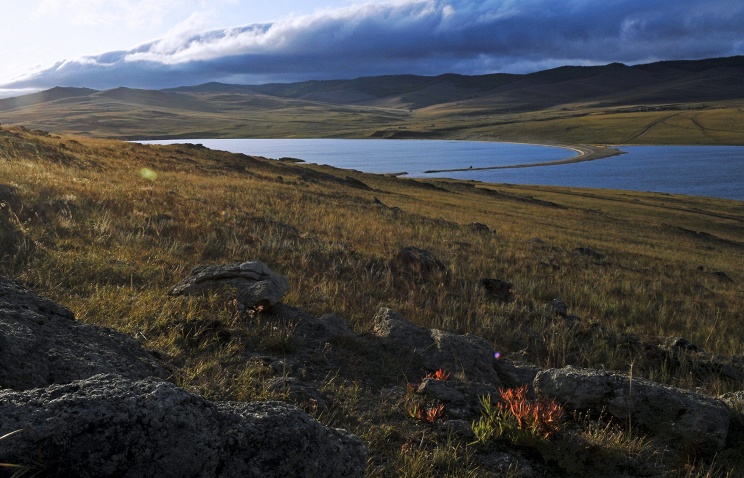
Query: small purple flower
x,y
497,355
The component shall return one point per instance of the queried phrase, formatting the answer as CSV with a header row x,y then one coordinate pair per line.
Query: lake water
x,y
716,171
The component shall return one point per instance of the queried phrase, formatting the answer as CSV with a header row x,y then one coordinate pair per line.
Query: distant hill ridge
x,y
608,79
370,106
623,78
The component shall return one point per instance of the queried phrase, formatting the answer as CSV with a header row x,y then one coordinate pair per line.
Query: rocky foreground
x,y
80,400
87,401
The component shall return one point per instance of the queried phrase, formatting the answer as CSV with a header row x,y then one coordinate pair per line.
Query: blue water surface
x,y
715,171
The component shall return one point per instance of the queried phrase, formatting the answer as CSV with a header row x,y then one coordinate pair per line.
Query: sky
x,y
157,44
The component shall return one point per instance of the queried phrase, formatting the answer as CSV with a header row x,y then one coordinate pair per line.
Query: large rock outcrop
x,y
685,418
109,426
41,344
252,283
468,356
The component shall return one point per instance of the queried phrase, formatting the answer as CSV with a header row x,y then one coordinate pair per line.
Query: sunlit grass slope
x,y
108,241
714,124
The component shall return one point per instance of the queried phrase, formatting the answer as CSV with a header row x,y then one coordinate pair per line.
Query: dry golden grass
x,y
110,242
588,123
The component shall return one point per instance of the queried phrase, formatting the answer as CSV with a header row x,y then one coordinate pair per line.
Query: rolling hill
x,y
613,103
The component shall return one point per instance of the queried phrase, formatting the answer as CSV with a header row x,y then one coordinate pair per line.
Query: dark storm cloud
x,y
420,37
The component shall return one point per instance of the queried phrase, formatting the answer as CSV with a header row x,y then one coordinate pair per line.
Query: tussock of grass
x,y
109,244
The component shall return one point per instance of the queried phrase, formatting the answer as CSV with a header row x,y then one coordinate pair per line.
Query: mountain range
x,y
654,102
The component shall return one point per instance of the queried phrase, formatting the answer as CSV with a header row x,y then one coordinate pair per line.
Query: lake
x,y
714,171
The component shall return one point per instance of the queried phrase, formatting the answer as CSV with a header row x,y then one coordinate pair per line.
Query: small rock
x,y
422,264
497,289
559,307
479,227
252,283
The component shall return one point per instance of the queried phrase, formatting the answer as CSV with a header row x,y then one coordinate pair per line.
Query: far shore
x,y
585,153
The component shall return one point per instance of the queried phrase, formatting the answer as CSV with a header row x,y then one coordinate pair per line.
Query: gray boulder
x,y
392,327
468,356
252,283
42,344
683,417
108,426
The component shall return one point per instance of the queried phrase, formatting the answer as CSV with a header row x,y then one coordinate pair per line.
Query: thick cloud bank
x,y
420,37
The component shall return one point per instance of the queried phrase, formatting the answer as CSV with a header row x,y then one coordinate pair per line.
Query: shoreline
x,y
586,153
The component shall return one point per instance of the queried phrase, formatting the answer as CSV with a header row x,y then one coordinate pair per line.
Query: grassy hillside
x,y
713,124
696,102
93,232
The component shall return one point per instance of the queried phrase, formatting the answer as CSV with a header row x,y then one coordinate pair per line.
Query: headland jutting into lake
x,y
586,153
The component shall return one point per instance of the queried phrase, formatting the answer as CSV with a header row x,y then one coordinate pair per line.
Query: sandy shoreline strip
x,y
586,153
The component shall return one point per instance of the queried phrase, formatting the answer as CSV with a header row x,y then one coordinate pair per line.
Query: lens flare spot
x,y
148,173
497,355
